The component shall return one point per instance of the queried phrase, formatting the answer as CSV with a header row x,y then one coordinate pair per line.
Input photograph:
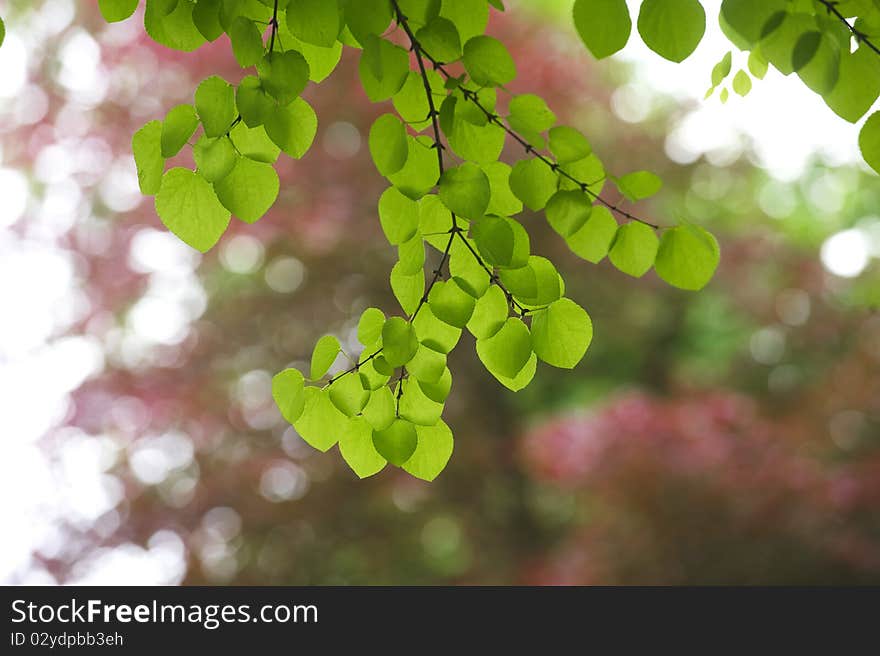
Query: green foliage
x,y
672,28
396,443
147,150
177,128
387,143
604,25
114,11
561,333
869,141
324,354
687,257
634,249
189,208
488,62
452,206
465,190
288,390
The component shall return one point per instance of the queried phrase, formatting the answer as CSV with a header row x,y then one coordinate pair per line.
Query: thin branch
x,y
861,37
274,24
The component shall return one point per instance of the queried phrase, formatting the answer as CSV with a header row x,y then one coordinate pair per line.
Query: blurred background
x,y
727,436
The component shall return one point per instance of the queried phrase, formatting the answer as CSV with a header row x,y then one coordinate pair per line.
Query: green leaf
x,y
288,390
408,288
214,157
411,103
816,59
783,32
435,220
533,182
398,215
114,11
687,257
508,350
588,170
177,128
603,25
322,61
206,18
419,175
174,30
147,150
672,28
536,284
465,190
215,104
293,127
757,64
433,450
742,83
189,208
722,69
562,333
568,145
383,68
501,201
523,378
490,313
529,113
858,85
372,378
249,190
440,39
283,75
2,31
348,395
488,62
254,143
369,328
470,18
388,145
396,443
253,102
357,448
593,240
634,249
639,185
399,342
320,421
869,141
411,255
450,303
315,21
427,364
433,333
567,211
748,18
247,44
380,409
323,356
419,12
502,242
438,391
416,407
367,18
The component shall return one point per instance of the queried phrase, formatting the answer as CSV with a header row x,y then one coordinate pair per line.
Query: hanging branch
x,y
861,37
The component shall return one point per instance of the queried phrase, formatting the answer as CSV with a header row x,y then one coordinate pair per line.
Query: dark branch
x,y
861,37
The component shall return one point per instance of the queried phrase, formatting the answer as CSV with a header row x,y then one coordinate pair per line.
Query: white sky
x,y
39,281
